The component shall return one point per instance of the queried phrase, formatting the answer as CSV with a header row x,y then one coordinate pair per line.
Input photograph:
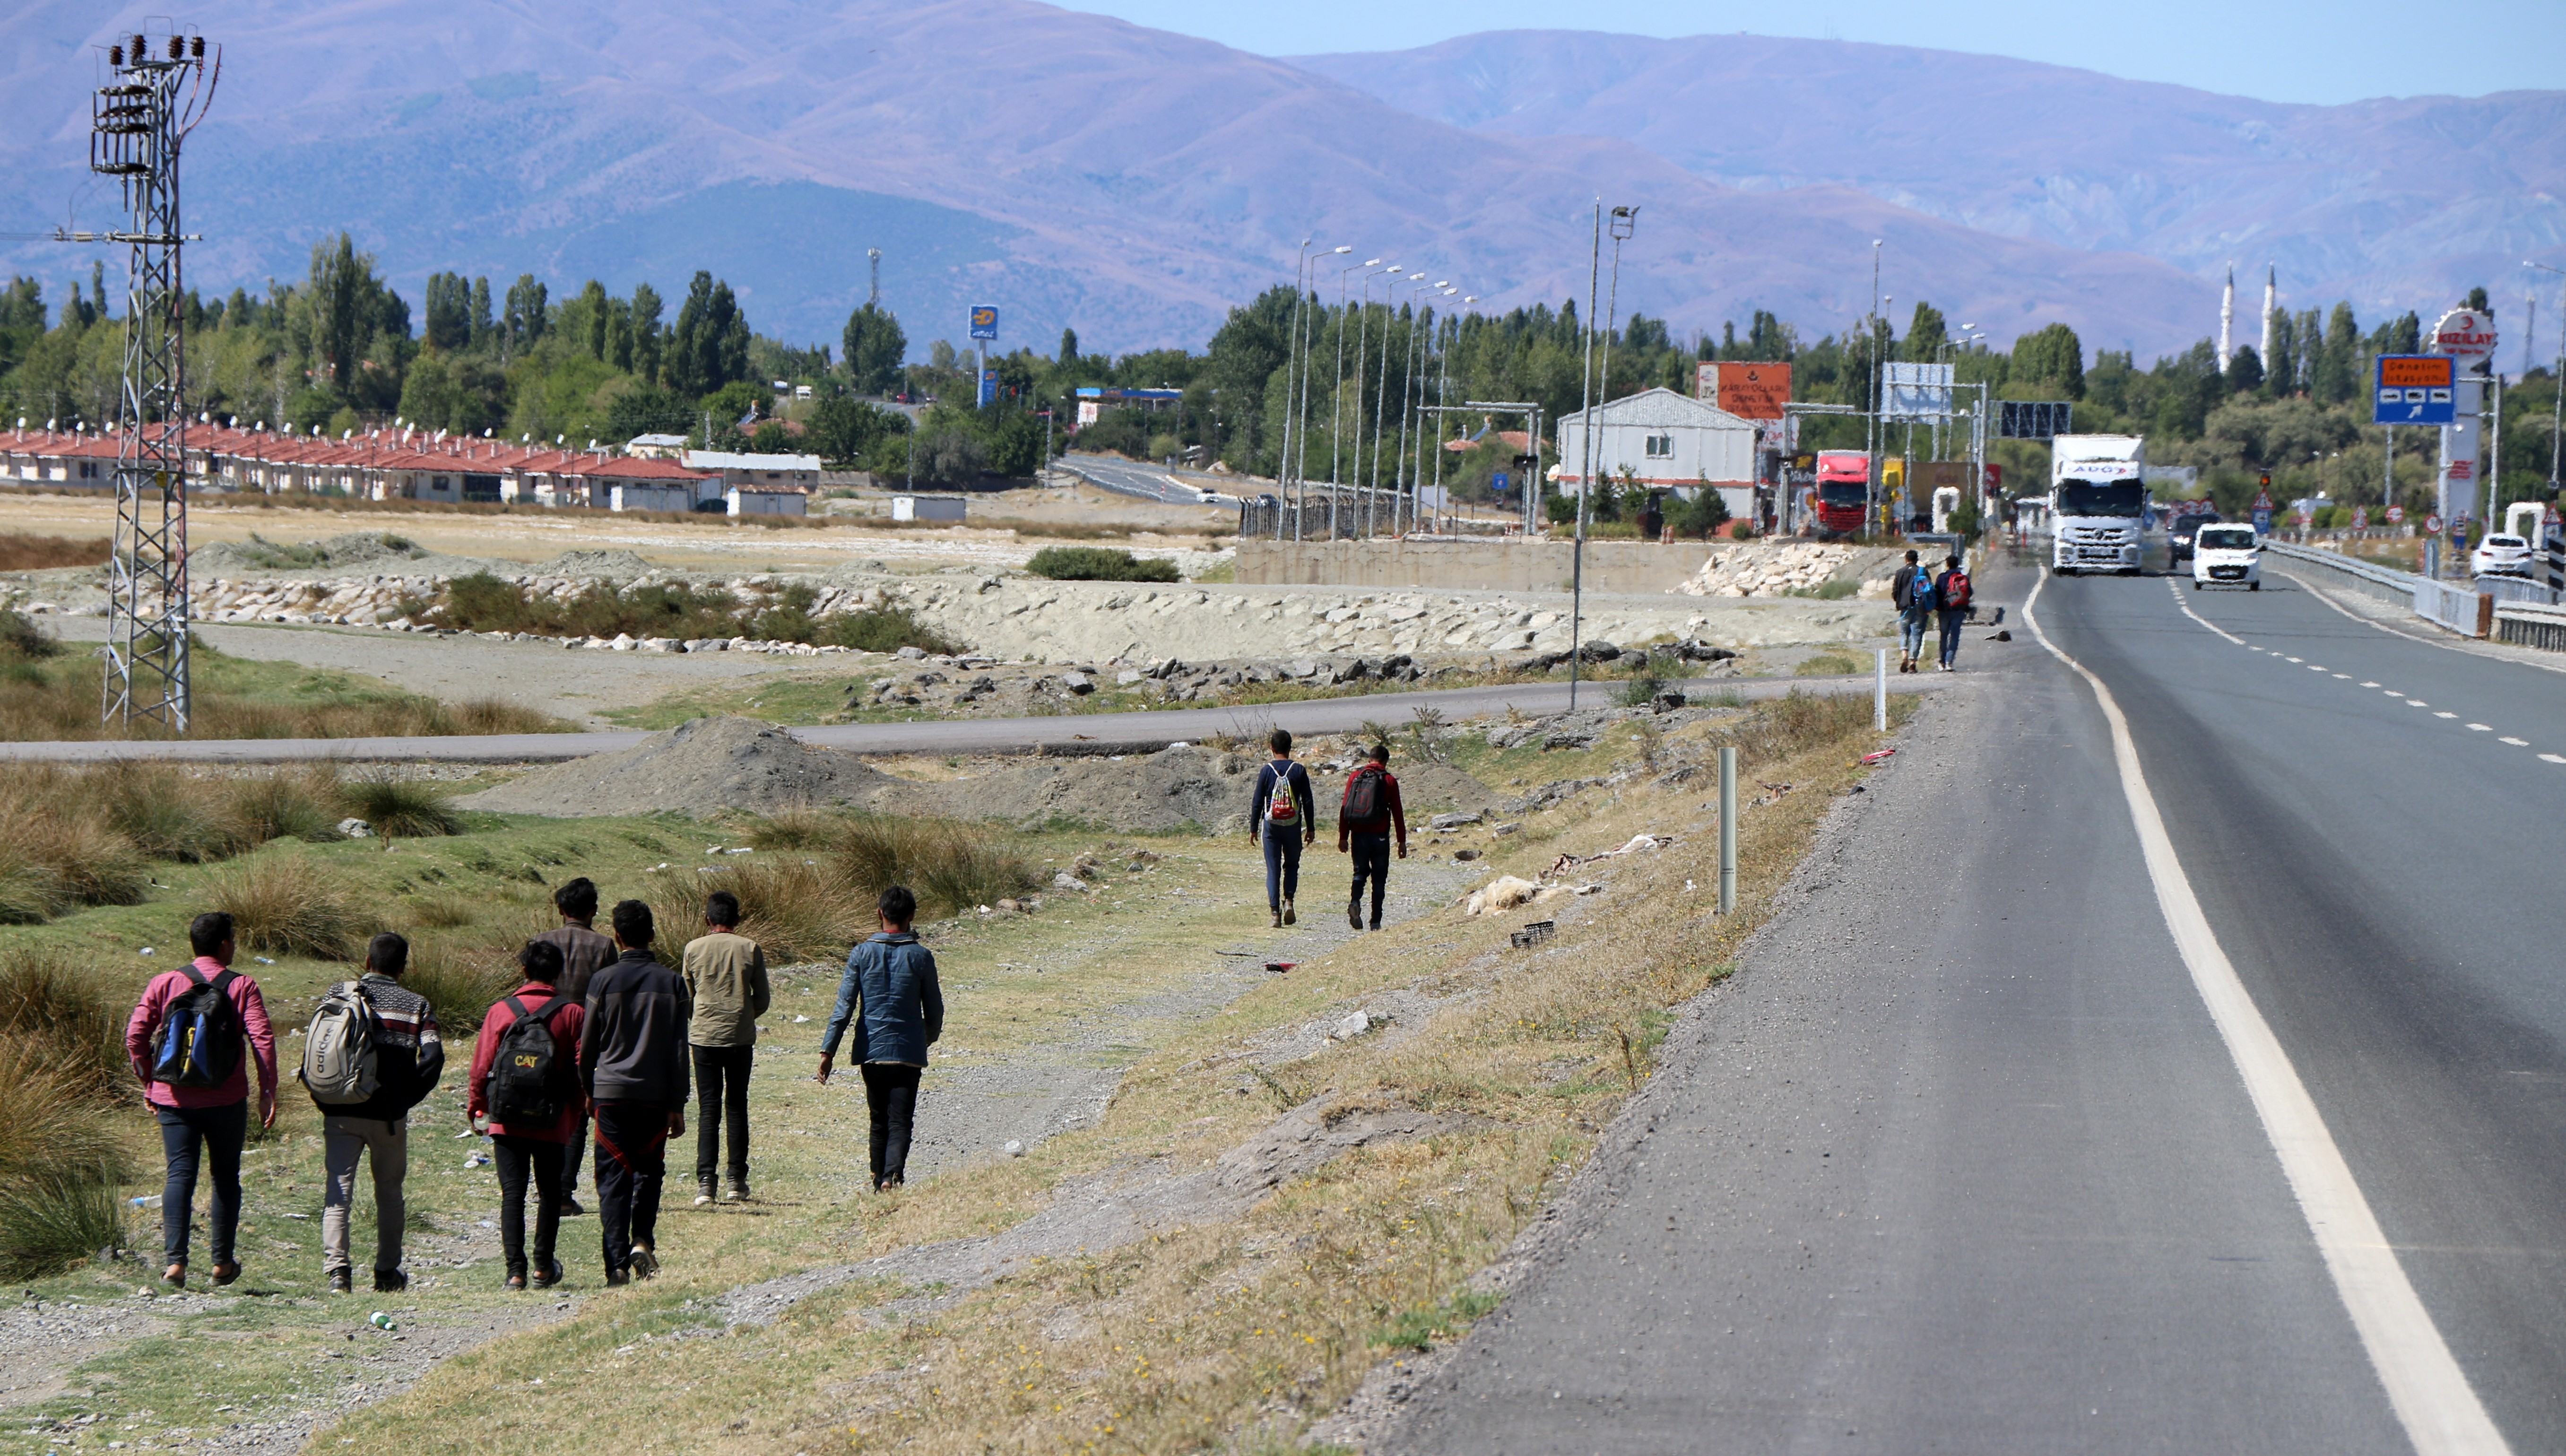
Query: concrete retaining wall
x,y
1495,565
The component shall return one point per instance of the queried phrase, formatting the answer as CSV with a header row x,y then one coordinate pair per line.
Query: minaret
x,y
2227,321
2272,301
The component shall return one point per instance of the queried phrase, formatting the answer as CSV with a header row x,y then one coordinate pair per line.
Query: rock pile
x,y
1773,570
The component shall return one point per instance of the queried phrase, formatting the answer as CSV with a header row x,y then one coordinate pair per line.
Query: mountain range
x,y
1080,171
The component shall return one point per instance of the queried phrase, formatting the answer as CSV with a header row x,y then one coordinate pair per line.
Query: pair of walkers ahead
x,y
1926,601
548,1062
889,1011
370,1053
1283,818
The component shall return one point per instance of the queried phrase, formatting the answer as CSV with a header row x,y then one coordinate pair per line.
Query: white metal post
x,y
1880,690
1727,829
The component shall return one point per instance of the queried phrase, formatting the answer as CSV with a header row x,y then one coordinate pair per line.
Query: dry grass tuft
x,y
287,904
949,867
20,551
61,1056
402,808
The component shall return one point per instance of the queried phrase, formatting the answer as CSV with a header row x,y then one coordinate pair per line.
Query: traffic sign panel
x,y
984,321
2413,389
2433,524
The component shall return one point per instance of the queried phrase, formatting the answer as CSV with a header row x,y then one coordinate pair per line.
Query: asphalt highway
x,y
1060,733
1961,1159
1132,478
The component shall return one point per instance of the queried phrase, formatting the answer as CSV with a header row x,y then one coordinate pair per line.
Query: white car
x,y
2227,556
2501,555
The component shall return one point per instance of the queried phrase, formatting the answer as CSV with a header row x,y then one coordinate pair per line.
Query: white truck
x,y
2098,503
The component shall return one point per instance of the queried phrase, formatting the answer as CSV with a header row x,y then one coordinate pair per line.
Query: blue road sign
x,y
1497,483
984,321
2413,389
2262,520
988,387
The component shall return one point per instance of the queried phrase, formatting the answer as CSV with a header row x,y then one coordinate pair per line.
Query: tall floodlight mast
x,y
873,296
157,89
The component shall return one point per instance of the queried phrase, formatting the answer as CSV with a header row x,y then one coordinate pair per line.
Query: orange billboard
x,y
1748,390
2415,372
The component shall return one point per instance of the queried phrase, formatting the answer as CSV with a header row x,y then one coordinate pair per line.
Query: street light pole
x,y
1291,357
1625,222
2557,407
1301,411
1363,340
1586,454
1336,405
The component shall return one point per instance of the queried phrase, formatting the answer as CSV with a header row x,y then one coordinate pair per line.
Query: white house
x,y
640,495
657,447
758,472
1666,440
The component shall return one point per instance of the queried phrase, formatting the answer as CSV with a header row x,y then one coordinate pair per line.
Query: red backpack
x,y
1956,590
1363,795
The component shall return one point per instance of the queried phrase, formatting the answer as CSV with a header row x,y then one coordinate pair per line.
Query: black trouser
x,y
220,1130
891,1090
570,1156
721,1107
1372,858
518,1158
632,1163
1953,621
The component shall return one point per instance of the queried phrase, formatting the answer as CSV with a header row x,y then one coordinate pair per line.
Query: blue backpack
x,y
1920,591
199,1040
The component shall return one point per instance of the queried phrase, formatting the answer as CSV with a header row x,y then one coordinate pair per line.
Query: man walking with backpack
x,y
1910,590
525,1086
891,1001
185,1041
725,975
370,1055
632,1056
1284,816
1364,819
1951,595
583,954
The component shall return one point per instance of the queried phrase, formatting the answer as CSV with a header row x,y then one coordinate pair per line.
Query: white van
x,y
2226,553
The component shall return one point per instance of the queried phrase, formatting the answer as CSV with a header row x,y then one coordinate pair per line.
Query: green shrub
x,y
949,867
884,629
1827,664
1641,691
21,637
60,1161
1098,564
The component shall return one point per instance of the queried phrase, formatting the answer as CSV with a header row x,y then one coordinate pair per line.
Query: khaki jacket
x,y
726,976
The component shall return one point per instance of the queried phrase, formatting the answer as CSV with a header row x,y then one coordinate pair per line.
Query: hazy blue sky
x,y
2301,51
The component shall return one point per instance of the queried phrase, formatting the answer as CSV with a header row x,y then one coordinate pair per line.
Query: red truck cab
x,y
1844,492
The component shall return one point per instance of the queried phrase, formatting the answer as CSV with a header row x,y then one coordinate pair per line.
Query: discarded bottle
x,y
149,1200
383,1320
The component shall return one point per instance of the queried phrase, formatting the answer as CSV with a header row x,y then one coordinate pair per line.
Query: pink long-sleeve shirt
x,y
246,1001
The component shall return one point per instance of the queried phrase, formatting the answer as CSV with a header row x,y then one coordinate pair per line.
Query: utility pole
x,y
872,295
1586,454
1625,222
156,94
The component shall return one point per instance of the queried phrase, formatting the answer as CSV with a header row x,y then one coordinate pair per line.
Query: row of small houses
x,y
419,467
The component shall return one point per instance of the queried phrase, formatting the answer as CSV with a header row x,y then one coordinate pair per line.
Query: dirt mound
x,y
696,768
1166,792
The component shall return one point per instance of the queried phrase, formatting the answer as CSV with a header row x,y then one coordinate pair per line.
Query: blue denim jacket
x,y
891,997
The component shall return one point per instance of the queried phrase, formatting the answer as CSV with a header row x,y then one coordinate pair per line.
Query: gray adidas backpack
x,y
339,1048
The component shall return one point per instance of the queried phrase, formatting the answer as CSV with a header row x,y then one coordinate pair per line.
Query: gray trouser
x,y
342,1139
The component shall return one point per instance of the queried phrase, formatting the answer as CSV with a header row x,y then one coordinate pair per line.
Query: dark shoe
x,y
617,1278
1278,919
1376,924
549,1276
516,1282
342,1282
1354,916
737,1193
570,1208
704,1196
1287,912
645,1265
226,1273
390,1281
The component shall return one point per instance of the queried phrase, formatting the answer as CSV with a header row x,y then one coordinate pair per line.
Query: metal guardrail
x,y
2383,583
2528,624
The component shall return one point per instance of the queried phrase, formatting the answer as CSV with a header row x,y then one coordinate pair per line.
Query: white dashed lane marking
x,y
2185,608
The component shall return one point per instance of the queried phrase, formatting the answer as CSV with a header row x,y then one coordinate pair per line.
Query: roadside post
x,y
1727,829
1880,690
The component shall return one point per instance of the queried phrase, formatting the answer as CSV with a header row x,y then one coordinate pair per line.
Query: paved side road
x,y
1957,1161
1089,733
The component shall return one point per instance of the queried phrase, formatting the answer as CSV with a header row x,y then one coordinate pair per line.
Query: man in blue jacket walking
x,y
891,1000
